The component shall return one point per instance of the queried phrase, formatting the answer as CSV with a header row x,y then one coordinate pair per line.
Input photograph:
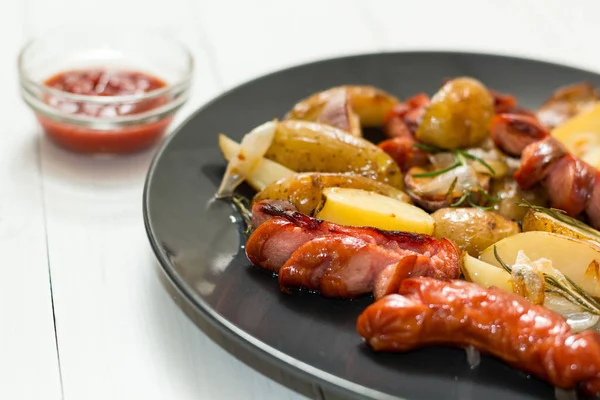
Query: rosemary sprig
x,y
462,199
477,159
431,174
242,205
489,197
460,157
570,291
428,148
468,197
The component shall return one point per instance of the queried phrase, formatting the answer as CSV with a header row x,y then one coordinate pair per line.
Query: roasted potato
x,y
472,229
548,220
263,174
305,190
369,103
581,135
566,102
311,147
577,259
485,274
459,115
356,207
509,193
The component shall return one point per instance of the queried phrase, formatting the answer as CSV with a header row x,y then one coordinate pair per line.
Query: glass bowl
x,y
104,90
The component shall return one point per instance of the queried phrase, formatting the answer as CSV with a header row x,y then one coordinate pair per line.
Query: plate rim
x,y
234,333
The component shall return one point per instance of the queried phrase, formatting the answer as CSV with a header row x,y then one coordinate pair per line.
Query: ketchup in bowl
x,y
103,100
109,83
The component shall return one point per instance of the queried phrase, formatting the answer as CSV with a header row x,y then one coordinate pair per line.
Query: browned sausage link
x,y
569,184
395,127
274,241
536,160
458,313
513,132
348,266
593,208
404,118
403,151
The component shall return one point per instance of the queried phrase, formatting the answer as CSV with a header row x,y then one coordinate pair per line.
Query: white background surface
x,y
78,221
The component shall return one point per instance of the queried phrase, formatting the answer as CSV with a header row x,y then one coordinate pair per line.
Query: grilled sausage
x,y
569,184
536,160
513,132
403,151
593,208
346,266
457,313
306,252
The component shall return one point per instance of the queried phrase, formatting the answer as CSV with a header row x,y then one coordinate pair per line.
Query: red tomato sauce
x,y
104,82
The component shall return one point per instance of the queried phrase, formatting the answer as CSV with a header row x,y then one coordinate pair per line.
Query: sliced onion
x,y
527,280
442,160
564,394
494,158
338,112
577,319
464,175
253,147
473,356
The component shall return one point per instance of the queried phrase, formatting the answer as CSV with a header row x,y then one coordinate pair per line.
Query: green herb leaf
x,y
462,199
477,159
242,204
428,148
431,174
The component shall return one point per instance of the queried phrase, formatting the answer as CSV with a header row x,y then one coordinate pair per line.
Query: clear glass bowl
x,y
94,123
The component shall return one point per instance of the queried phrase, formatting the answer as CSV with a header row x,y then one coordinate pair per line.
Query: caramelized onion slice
x,y
253,147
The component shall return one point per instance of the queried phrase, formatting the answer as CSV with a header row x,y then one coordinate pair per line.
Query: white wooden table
x,y
83,313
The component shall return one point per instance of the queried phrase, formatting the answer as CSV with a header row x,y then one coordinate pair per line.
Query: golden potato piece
x,y
485,274
356,207
547,220
581,135
472,229
369,103
305,190
304,146
459,115
577,259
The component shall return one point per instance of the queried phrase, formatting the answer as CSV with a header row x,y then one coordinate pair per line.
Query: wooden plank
x,y
548,30
251,38
29,367
120,334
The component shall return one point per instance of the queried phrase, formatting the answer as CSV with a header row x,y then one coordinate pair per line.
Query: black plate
x,y
200,246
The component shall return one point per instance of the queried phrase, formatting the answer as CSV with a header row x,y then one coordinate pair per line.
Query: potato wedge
x,y
311,147
305,190
358,207
472,229
510,194
581,135
552,221
265,172
369,103
575,258
485,274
